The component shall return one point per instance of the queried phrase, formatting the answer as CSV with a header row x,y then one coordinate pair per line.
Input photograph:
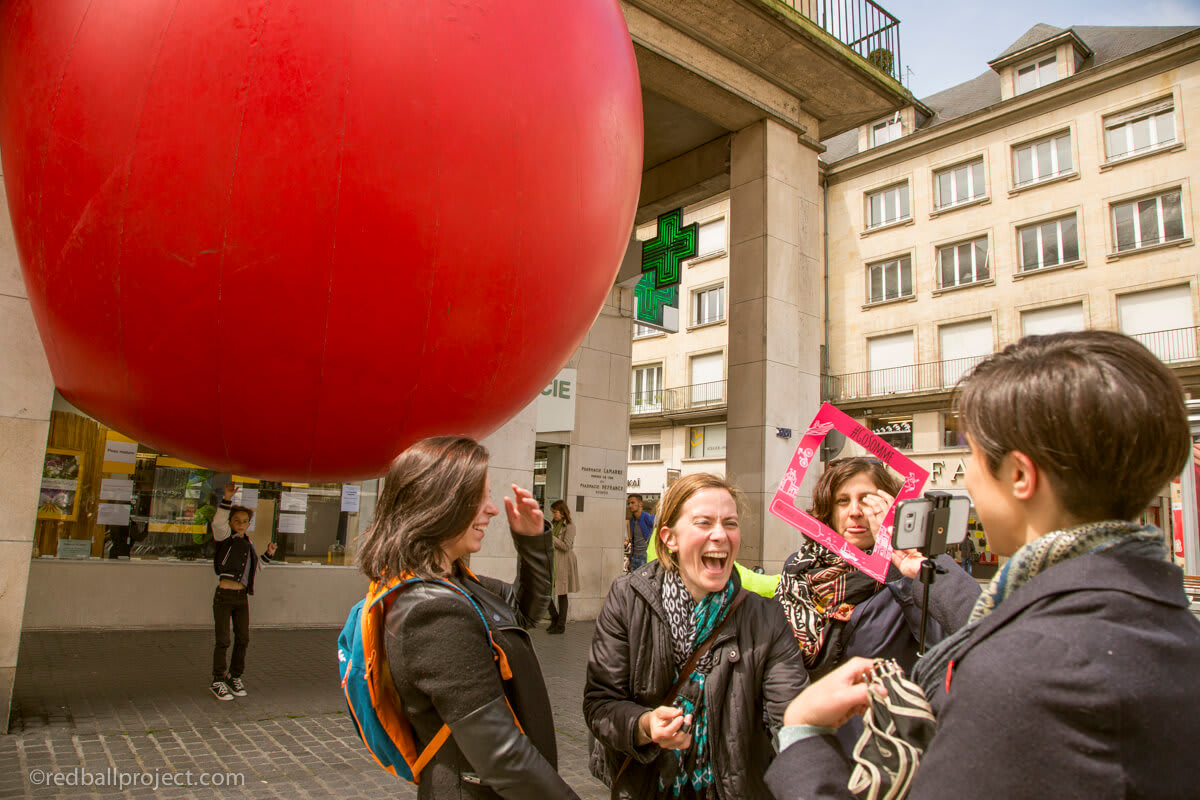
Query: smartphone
x,y
916,522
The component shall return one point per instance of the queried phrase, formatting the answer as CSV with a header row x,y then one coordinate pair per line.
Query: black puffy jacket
x,y
757,670
444,672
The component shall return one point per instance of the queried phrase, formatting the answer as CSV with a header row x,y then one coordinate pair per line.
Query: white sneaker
x,y
236,686
221,691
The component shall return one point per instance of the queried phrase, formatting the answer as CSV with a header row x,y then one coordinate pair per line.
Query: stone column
x,y
774,322
26,393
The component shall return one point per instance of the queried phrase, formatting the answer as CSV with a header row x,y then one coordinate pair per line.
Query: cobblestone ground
x,y
137,703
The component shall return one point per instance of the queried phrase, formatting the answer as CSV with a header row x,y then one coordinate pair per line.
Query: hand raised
x,y
833,700
230,490
525,517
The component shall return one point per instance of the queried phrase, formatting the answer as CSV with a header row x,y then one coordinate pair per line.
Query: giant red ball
x,y
287,239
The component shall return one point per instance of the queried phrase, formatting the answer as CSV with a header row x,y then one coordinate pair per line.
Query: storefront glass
x,y
104,495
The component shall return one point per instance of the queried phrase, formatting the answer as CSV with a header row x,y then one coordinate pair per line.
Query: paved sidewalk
x,y
137,702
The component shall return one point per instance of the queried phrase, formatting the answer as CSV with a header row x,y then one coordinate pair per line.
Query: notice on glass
x,y
119,489
350,493
246,497
113,514
291,523
293,501
74,548
125,452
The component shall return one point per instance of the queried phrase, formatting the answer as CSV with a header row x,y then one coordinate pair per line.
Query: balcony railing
x,y
679,400
861,25
1171,346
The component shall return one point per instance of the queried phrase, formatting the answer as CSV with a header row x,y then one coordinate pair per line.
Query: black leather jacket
x,y
757,671
444,671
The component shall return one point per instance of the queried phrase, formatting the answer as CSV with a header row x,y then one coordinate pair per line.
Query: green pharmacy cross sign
x,y
657,293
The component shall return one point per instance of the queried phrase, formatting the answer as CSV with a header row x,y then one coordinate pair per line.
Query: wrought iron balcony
x,y
1178,346
679,400
863,26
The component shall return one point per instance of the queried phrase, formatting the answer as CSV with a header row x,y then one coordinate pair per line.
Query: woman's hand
x,y
524,516
230,490
664,727
833,700
908,562
875,509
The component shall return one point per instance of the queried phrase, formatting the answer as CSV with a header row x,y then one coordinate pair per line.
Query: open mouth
x,y
715,562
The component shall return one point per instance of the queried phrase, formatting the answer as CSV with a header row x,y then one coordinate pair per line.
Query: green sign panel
x,y
657,293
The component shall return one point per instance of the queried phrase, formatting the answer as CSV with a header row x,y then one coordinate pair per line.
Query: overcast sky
x,y
946,43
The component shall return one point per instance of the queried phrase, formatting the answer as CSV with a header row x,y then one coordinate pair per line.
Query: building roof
x,y
1107,44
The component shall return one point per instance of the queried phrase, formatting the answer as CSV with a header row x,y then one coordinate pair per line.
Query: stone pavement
x,y
137,703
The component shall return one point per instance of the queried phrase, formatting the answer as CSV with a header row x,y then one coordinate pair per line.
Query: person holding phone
x,y
684,621
1073,673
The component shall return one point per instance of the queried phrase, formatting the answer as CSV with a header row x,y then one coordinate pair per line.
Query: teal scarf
x,y
1127,538
692,767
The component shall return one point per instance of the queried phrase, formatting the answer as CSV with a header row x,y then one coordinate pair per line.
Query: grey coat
x,y
444,671
757,671
1081,684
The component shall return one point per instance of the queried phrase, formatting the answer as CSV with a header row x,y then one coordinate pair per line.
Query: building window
x,y
708,385
953,435
641,331
896,431
1140,130
890,280
1048,244
708,305
706,441
1149,221
963,345
890,360
1039,73
1041,160
1055,319
647,389
963,263
711,239
887,131
888,205
646,452
1162,320
960,184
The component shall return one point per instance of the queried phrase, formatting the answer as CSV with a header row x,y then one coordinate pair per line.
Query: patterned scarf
x,y
897,730
691,623
818,592
1126,538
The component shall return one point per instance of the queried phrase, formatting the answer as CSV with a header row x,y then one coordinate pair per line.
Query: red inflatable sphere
x,y
289,238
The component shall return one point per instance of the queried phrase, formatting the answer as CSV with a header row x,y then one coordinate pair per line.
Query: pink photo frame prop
x,y
783,505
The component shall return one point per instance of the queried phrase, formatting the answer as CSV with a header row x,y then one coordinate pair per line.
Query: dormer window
x,y
887,131
1037,73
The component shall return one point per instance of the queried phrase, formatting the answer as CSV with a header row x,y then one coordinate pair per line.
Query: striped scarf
x,y
691,623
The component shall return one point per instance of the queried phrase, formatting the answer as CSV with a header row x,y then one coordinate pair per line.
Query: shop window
x,y
706,441
896,431
953,436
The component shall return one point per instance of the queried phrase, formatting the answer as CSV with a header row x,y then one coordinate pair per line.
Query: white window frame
x,y
1060,245
641,331
1124,121
704,441
1140,239
636,455
978,274
1038,69
891,130
647,396
699,237
1056,168
699,303
973,192
891,272
901,198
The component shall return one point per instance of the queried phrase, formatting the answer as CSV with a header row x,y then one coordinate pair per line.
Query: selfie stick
x,y
935,542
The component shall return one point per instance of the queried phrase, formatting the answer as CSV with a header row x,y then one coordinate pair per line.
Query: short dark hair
x,y
841,470
670,508
1095,410
432,494
561,507
248,512
630,497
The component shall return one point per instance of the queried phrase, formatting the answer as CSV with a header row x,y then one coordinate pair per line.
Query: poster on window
x,y
59,496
